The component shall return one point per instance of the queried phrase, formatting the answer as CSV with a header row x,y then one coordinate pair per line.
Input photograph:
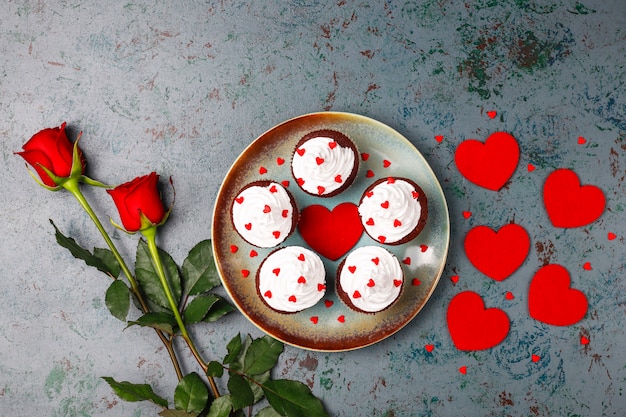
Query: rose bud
x,y
138,200
51,150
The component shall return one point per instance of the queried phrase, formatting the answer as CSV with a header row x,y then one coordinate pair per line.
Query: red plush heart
x,y
331,233
568,203
551,300
489,164
497,254
474,327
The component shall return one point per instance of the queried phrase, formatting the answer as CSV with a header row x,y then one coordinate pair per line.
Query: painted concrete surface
x,y
182,88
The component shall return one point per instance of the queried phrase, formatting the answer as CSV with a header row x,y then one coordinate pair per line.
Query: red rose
x,y
50,148
137,197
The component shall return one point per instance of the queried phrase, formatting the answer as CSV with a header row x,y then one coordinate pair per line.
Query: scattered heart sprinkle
x,y
492,114
535,358
439,138
587,266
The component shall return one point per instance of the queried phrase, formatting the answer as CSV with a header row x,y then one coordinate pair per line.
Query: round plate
x,y
330,325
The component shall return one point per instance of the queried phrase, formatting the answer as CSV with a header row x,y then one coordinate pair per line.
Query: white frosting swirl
x,y
263,215
321,166
372,278
292,279
390,210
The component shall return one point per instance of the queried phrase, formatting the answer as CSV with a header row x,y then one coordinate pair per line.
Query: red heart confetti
x,y
386,163
314,319
467,214
551,300
407,261
328,303
331,233
285,183
439,138
292,299
253,253
233,248
273,189
509,295
262,170
321,287
245,273
332,144
301,280
352,269
587,266
268,294
369,173
429,348
497,254
341,319
535,358
416,282
356,294
365,156
611,236
581,140
371,283
530,167
490,164
276,271
463,370
301,257
423,248
568,203
300,151
318,160
492,114
267,209
280,161
584,340
239,200
474,327
454,279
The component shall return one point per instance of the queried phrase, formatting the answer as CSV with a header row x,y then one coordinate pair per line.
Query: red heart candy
x,y
314,319
331,233
497,254
568,203
489,164
551,300
474,327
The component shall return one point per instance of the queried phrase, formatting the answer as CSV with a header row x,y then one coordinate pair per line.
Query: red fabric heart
x,y
474,327
551,300
568,203
331,233
489,164
497,254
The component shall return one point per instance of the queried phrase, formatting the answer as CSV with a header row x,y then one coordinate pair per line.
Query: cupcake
x,y
264,213
325,163
370,279
291,279
393,210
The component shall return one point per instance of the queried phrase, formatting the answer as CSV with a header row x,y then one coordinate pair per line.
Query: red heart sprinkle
x,y
439,138
341,319
375,260
463,370
356,294
352,269
320,190
300,151
365,156
301,280
535,358
301,257
370,222
587,266
369,173
416,282
492,114
280,161
273,189
429,348
262,170
423,248
285,183
328,303
285,213
391,180
509,295
584,340
530,167
321,287
300,182
239,200
332,144
397,223
318,160
268,294
314,319
371,283
385,204
253,253
276,271
454,279
248,226
407,261
369,194
397,282
292,299
386,163
276,234
233,248
382,239
338,179
581,140
611,236
267,209
467,214
245,273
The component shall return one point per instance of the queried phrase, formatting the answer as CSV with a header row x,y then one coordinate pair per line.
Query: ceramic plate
x,y
330,325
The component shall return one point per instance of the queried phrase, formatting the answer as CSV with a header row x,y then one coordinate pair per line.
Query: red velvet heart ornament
x,y
568,203
331,233
474,327
497,254
551,300
489,164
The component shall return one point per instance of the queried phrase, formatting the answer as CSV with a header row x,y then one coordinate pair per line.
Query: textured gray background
x,y
183,89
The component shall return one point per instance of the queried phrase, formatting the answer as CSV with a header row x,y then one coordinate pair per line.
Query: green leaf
x,y
199,271
135,392
262,355
293,399
234,349
149,280
80,253
221,407
191,394
109,260
267,412
241,394
161,321
117,299
176,413
256,384
218,310
198,308
215,369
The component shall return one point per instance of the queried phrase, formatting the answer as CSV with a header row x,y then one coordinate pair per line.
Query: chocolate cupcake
x,y
291,279
264,213
393,210
370,279
325,163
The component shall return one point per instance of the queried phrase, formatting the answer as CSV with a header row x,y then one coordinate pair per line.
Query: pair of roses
x,y
171,298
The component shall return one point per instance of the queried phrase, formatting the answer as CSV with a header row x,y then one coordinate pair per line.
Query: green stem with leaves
x,y
150,235
72,185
